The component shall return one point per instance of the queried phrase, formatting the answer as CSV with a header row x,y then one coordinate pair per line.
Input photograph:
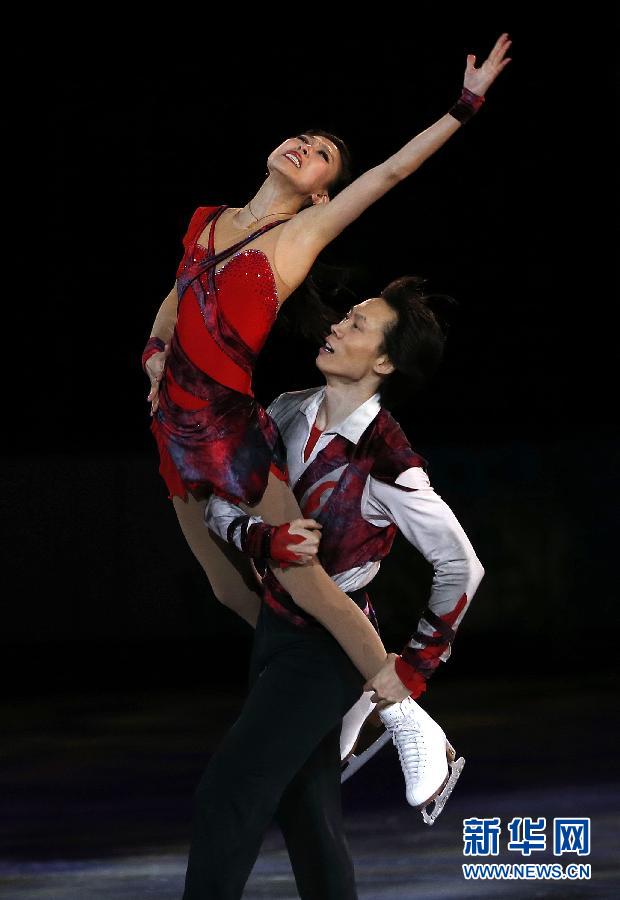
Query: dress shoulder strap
x,y
214,258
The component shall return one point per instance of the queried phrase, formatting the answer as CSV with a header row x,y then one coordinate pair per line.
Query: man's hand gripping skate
x,y
427,758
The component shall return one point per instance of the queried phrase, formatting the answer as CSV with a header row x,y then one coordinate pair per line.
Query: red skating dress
x,y
211,433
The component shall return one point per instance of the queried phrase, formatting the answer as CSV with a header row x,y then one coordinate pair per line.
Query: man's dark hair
x,y
415,341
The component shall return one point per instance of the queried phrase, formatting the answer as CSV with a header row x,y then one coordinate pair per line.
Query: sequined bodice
x,y
225,316
247,294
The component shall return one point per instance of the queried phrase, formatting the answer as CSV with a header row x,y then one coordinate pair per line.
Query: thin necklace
x,y
251,211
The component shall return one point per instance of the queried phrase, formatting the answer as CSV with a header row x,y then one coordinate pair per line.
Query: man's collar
x,y
355,424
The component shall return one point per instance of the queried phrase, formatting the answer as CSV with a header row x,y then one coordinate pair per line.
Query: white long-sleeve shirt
x,y
410,503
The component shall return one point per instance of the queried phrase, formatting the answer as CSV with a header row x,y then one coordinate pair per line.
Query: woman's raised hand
x,y
155,366
479,80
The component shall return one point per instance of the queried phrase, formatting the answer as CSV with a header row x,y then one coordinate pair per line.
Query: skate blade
x,y
440,797
366,735
353,762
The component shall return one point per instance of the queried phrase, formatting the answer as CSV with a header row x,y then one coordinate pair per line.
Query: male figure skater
x,y
354,472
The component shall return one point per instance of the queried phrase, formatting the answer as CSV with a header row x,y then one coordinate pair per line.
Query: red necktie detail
x,y
315,434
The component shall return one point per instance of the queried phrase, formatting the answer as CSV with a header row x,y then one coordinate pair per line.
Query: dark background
x,y
513,218
508,218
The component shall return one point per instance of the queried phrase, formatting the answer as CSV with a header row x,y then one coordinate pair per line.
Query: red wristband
x,y
466,106
153,345
471,99
410,677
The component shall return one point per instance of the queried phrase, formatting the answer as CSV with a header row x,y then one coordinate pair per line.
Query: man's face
x,y
352,350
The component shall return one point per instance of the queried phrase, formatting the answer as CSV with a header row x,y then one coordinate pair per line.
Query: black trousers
x,y
281,759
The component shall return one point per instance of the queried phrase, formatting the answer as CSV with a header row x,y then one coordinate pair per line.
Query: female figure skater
x,y
211,433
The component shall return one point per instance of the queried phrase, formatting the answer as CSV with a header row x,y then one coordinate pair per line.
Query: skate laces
x,y
412,750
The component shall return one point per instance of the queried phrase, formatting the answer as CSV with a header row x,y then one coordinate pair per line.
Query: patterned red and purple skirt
x,y
228,446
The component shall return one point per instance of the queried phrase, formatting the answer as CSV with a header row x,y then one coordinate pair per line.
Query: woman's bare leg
x,y
311,588
229,572
231,577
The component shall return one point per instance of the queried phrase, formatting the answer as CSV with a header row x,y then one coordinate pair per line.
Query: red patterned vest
x,y
330,490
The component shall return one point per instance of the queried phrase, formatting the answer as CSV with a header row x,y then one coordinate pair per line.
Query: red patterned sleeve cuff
x,y
262,541
410,677
280,540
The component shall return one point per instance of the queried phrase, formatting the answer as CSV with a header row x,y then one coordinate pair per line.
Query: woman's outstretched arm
x,y
316,226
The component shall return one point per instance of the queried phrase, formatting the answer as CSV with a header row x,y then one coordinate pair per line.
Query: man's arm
x,y
291,543
430,525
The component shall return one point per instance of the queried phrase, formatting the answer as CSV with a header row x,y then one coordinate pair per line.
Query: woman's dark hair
x,y
309,313
306,313
415,341
345,175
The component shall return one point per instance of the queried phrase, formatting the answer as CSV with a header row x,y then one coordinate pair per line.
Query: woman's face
x,y
310,163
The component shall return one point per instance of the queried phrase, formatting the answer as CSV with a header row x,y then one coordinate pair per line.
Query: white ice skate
x,y
426,756
354,722
362,735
